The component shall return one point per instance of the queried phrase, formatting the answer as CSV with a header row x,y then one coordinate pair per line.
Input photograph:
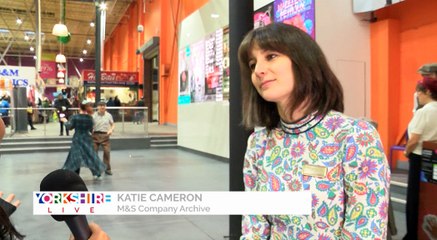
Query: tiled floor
x,y
139,170
146,170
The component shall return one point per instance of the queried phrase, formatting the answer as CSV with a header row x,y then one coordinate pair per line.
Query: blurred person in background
x,y
428,70
117,103
30,110
4,111
111,103
103,128
6,97
423,127
47,114
139,113
62,105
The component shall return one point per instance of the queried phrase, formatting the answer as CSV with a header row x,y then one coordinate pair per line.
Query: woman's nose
x,y
260,69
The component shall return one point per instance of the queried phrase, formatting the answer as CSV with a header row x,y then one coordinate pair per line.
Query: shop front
x,y
123,85
118,89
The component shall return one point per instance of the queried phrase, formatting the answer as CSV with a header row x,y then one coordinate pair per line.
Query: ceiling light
x,y
61,80
92,24
60,58
81,59
60,30
32,49
84,51
103,6
88,41
19,21
215,15
26,37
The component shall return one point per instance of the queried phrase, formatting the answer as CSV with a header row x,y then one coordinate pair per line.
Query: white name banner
x,y
18,76
172,203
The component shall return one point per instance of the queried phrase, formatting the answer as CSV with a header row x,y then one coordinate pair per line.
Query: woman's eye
x,y
252,66
271,56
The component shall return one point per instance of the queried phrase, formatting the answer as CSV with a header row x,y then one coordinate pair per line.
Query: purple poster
x,y
299,13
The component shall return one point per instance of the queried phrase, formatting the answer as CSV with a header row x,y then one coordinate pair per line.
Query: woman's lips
x,y
266,83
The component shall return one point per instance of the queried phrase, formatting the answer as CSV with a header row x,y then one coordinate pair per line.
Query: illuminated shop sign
x,y
111,78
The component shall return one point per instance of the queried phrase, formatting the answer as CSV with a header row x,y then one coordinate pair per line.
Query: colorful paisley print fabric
x,y
350,202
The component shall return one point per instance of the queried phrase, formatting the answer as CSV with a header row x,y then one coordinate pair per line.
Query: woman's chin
x,y
269,97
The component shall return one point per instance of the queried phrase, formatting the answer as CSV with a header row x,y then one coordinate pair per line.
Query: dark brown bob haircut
x,y
314,82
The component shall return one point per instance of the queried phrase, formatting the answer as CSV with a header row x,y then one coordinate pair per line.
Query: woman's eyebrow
x,y
250,57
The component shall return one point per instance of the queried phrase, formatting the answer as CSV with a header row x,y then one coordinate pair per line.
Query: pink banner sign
x,y
48,69
111,77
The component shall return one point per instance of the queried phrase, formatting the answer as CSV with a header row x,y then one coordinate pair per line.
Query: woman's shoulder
x,y
258,135
350,124
259,132
429,108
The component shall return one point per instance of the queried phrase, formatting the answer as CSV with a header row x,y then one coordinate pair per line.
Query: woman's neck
x,y
427,100
291,117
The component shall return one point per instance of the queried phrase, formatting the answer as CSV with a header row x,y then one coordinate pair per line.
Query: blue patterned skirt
x,y
82,154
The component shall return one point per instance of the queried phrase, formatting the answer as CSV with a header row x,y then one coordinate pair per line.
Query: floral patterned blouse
x,y
349,202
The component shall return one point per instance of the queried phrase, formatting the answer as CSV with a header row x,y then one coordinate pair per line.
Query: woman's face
x,y
272,75
421,98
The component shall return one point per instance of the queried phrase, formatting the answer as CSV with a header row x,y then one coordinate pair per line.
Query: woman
x,y
422,128
82,151
30,108
306,143
47,114
4,111
62,106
